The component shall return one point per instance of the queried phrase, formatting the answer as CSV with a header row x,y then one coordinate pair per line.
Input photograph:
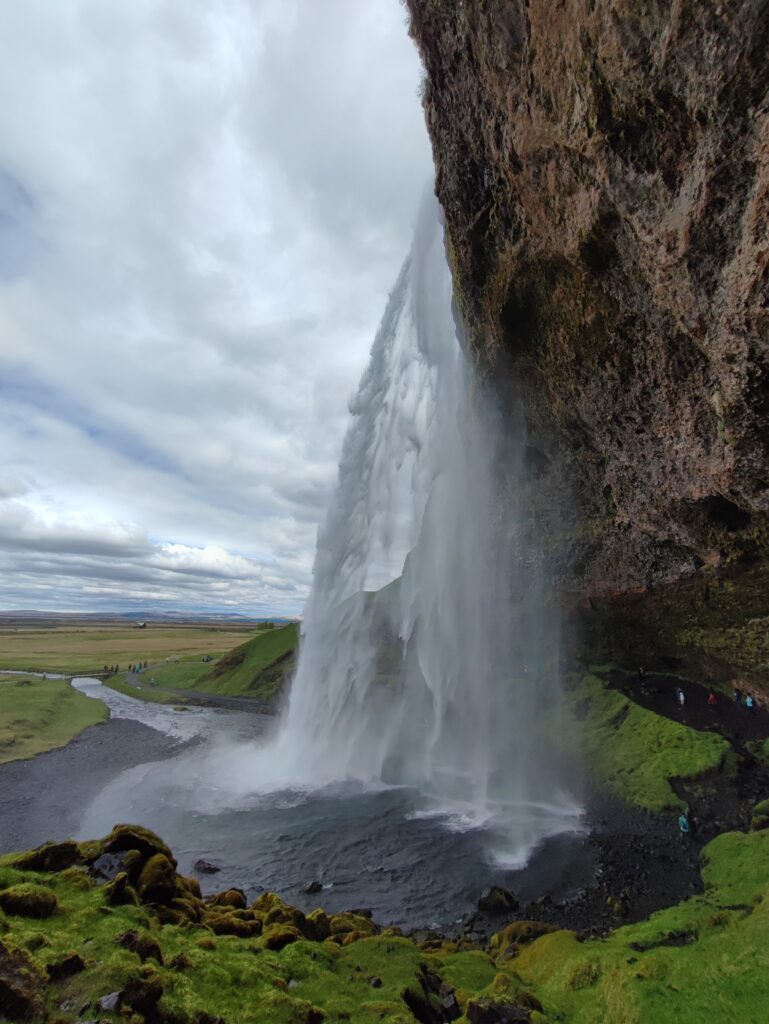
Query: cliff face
x,y
603,166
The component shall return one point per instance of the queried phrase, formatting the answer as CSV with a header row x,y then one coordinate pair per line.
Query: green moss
x,y
28,901
636,752
641,973
257,668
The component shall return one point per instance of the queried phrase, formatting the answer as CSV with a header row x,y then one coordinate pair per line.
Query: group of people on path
x,y
713,699
137,667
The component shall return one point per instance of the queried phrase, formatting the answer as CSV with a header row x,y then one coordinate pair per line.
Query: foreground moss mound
x,y
129,939
167,956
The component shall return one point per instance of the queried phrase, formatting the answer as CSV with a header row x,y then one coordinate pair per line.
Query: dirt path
x,y
657,692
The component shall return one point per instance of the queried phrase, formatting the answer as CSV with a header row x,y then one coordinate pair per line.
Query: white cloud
x,y
202,208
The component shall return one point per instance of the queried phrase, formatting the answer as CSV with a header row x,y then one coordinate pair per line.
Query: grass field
x,y
39,714
87,649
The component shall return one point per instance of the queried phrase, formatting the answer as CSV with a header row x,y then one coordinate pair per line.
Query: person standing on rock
x,y
737,697
680,697
712,700
749,702
683,824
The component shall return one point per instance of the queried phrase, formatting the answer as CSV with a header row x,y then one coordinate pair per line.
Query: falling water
x,y
428,657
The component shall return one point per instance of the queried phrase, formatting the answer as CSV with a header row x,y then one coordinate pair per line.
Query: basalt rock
x,y
604,175
497,900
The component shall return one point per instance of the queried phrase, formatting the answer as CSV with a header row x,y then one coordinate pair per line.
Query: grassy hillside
x,y
39,714
257,668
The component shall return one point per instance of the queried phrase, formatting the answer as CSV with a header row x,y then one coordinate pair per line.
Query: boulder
x,y
49,857
240,923
496,900
108,865
317,925
157,882
234,898
277,936
350,922
312,887
109,1002
509,940
205,867
28,901
134,837
119,892
22,985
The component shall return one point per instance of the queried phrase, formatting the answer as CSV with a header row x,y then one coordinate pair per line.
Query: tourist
x,y
683,824
712,700
749,703
737,697
680,697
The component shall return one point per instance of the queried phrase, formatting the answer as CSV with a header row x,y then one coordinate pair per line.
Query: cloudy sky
x,y
203,206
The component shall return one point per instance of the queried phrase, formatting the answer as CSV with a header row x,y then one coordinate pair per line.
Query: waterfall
x,y
429,658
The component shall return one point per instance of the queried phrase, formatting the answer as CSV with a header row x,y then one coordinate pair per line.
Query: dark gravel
x,y
44,797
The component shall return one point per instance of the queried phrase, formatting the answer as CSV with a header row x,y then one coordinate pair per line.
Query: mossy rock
x,y
339,924
22,984
234,898
157,882
134,837
278,936
317,925
119,892
189,907
189,887
49,857
223,923
28,901
509,940
274,910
